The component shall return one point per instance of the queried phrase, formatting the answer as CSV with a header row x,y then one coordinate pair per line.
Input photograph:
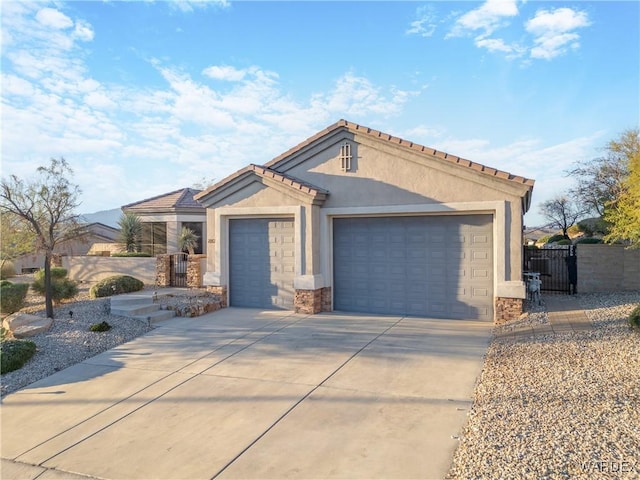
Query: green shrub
x,y
56,274
12,296
589,240
100,327
564,241
131,254
556,238
634,317
62,288
115,285
15,353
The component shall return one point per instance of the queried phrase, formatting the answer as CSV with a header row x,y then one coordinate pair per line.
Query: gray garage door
x,y
261,263
434,266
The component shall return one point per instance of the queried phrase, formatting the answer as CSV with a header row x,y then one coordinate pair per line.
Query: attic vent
x,y
345,156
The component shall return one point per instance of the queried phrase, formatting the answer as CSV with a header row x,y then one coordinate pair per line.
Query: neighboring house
x,y
163,217
353,219
92,233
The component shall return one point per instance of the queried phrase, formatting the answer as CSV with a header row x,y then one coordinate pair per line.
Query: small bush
x,y
100,327
12,296
62,288
115,285
556,238
131,254
56,274
564,241
589,240
15,353
634,317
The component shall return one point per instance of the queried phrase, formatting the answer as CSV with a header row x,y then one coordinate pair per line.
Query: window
x,y
154,238
195,227
345,156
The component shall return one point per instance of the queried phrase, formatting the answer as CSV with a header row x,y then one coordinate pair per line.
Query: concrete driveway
x,y
244,393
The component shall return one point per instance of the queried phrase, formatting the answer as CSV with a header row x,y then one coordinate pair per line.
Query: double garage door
x,y
435,266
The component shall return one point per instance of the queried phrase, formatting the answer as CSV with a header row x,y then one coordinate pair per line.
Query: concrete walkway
x,y
565,316
242,393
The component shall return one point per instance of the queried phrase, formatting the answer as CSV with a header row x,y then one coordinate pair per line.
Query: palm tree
x,y
130,231
187,240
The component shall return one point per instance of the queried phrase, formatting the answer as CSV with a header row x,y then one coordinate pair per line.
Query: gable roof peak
x,y
361,129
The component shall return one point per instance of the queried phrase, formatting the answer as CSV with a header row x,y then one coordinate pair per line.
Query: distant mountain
x,y
106,217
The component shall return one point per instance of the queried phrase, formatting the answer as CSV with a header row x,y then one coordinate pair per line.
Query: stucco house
x,y
89,234
163,217
353,219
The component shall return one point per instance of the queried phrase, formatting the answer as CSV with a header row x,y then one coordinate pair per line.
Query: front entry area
x,y
261,262
433,266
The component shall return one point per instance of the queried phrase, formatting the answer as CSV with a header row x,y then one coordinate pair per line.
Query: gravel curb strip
x,y
562,406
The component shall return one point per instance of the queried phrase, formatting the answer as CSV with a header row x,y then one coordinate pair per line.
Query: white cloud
x,y
83,31
554,31
356,96
191,5
488,17
51,17
426,23
224,72
187,126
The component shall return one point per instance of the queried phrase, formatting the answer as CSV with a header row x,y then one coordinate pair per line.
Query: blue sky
x,y
143,98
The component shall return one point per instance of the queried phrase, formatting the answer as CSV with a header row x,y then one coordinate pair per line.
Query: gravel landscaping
x,y
565,406
70,341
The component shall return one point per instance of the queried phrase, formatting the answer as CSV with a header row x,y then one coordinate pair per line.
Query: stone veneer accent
x,y
221,291
163,270
313,301
507,309
194,273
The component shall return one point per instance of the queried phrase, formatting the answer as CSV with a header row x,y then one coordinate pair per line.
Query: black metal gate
x,y
557,267
178,270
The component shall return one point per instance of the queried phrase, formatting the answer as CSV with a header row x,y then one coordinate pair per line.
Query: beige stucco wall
x,y
384,174
607,268
92,268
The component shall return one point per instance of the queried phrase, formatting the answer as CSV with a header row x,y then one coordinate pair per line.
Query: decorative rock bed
x,y
191,304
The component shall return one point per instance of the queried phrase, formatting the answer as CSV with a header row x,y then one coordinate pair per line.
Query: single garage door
x,y
261,263
433,266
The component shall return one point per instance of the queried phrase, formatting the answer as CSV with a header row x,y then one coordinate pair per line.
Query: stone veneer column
x,y
221,291
194,271
163,270
507,309
313,301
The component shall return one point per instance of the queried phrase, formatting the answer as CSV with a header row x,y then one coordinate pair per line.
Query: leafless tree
x,y
46,205
562,212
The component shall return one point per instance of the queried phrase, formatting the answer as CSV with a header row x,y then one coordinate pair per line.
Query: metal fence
x,y
179,270
557,267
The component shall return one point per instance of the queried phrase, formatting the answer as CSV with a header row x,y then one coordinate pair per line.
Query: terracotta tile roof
x,y
178,199
288,180
355,128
